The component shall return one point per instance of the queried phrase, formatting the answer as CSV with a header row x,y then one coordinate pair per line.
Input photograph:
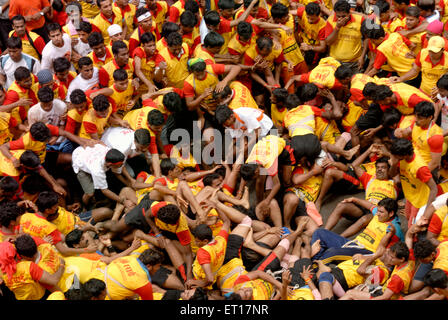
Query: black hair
x,y
226,4
46,200
155,118
247,171
436,278
376,31
168,28
76,294
147,37
25,245
208,179
279,10
343,72
9,184
18,17
172,102
174,39
94,287
426,5
114,156
312,9
188,19
142,136
382,92
292,101
203,232
151,257
424,109
73,237
234,297
22,73
95,38
29,159
382,160
383,6
98,2
442,83
406,2
222,113
45,94
9,211
213,39
389,204
39,131
222,94
120,75
402,147
401,250
280,94
53,26
369,89
117,46
244,29
391,116
84,61
34,183
141,11
342,6
246,3
197,67
413,11
307,92
166,165
264,43
191,5
85,27
14,43
57,5
78,96
61,64
423,249
100,103
199,295
169,214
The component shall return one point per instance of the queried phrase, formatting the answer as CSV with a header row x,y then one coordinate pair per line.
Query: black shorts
x,y
286,157
136,217
348,184
364,211
234,244
307,145
371,119
270,262
297,269
160,276
339,275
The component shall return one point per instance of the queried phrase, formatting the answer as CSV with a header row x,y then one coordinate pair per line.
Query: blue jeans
x,y
331,247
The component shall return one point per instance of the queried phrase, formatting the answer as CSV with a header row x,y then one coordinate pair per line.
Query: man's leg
x,y
360,224
330,176
322,240
342,209
290,203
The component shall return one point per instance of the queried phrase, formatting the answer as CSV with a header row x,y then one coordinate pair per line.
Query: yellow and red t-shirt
x,y
99,63
177,70
377,190
311,33
100,24
430,72
67,221
105,74
15,93
74,121
37,226
91,123
428,140
194,87
138,119
439,223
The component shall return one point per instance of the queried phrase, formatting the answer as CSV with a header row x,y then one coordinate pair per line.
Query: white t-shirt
x,y
251,119
8,66
444,111
80,83
36,113
121,139
92,160
51,52
82,48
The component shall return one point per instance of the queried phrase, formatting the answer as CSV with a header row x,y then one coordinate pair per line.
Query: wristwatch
x,y
41,13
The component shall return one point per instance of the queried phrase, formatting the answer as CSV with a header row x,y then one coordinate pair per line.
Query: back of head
x,y
76,294
423,249
264,43
436,278
312,9
151,257
244,29
212,18
307,92
172,102
174,39
117,46
383,6
401,250
29,159
169,214
369,89
73,237
155,118
114,156
279,11
292,101
343,72
222,113
100,103
213,40
426,5
442,83
45,94
226,4
94,287
166,165
413,11
39,131
203,232
402,147
247,171
342,6
21,73
424,109
46,200
9,211
9,184
84,61
142,136
280,94
169,28
382,92
120,75
95,38
14,43
192,6
391,117
78,96
26,246
188,19
61,64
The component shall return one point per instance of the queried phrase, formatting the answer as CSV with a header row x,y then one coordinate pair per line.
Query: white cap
x,y
144,16
114,29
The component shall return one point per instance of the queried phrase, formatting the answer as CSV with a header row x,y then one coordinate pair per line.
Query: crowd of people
x,y
161,150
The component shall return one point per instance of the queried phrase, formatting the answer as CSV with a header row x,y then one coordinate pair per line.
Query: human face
x,y
422,122
52,213
245,293
19,27
26,83
150,48
116,37
99,50
200,75
87,71
175,173
391,258
140,147
122,3
102,114
46,106
342,15
146,24
227,13
254,10
175,50
80,107
383,214
229,122
83,36
443,92
382,171
411,22
265,52
62,75
385,17
312,19
435,56
122,57
122,85
217,182
106,8
156,129
186,30
56,38
15,54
